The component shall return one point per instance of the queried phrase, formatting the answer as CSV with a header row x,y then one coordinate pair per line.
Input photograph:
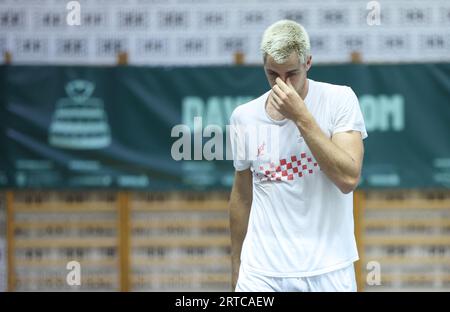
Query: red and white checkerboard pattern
x,y
287,169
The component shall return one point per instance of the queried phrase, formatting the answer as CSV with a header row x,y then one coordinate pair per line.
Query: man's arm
x,y
239,206
340,157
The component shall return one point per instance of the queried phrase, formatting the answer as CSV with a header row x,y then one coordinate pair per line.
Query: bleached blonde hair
x,y
284,37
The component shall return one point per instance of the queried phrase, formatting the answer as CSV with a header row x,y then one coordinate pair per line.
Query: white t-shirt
x,y
300,223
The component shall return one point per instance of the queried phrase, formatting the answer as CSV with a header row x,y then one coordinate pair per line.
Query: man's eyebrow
x,y
290,71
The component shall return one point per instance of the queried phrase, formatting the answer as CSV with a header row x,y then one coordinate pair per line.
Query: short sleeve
x,y
348,115
238,142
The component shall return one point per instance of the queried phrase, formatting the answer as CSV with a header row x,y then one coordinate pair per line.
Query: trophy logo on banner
x,y
80,121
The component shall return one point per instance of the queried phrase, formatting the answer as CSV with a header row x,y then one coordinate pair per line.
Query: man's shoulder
x,y
248,108
330,88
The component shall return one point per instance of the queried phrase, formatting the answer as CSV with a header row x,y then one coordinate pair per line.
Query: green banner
x,y
113,127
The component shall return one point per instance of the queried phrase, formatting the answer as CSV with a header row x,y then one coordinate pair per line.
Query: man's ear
x,y
308,63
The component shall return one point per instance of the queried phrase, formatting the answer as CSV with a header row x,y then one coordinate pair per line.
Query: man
x,y
296,212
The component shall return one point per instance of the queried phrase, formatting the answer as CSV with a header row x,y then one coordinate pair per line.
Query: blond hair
x,y
284,37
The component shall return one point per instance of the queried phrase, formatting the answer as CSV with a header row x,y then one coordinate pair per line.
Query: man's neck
x,y
305,90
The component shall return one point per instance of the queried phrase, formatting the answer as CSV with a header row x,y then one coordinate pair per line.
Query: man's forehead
x,y
292,63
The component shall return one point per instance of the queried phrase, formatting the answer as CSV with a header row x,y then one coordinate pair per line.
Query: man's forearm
x,y
337,164
239,215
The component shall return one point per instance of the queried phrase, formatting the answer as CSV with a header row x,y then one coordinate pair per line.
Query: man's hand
x,y
286,100
339,157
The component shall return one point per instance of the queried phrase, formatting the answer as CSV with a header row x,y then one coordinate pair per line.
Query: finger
x,y
276,90
275,104
278,108
278,79
283,86
276,98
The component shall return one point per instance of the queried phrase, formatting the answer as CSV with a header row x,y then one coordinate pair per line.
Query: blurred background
x,y
91,90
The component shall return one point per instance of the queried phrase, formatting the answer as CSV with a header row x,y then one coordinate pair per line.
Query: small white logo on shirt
x,y
261,150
